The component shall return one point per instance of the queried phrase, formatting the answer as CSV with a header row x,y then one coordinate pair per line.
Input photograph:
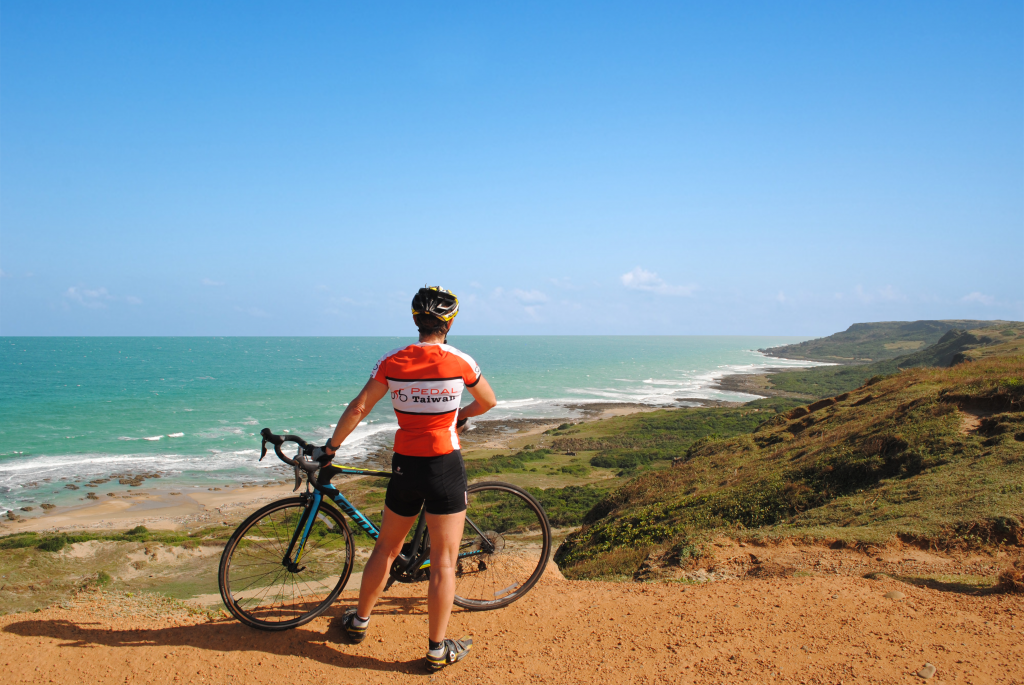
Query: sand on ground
x,y
157,509
780,630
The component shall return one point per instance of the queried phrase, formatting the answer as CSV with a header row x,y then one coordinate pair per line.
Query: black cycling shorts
x,y
439,481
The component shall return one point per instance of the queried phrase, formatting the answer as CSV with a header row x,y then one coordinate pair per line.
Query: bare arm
x,y
355,412
483,401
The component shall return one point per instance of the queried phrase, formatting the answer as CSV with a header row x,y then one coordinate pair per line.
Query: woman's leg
x,y
393,530
445,537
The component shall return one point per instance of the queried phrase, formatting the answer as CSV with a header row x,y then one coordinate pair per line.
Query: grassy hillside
x,y
891,459
953,347
863,343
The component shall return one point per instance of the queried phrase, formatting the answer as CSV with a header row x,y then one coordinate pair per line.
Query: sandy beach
x,y
164,507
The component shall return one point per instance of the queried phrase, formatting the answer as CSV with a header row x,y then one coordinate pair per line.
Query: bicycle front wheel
x,y
505,546
257,585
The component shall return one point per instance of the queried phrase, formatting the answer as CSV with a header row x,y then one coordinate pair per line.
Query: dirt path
x,y
801,630
970,420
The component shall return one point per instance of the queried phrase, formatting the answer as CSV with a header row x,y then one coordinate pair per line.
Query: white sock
x,y
358,622
436,652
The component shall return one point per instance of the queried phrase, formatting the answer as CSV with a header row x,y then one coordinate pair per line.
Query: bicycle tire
x,y
516,523
275,524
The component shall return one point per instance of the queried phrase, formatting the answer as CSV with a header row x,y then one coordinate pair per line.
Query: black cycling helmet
x,y
435,301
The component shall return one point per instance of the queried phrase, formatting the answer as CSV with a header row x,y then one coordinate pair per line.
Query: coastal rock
x,y
48,506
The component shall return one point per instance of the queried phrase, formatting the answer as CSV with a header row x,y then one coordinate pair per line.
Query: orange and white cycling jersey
x,y
426,382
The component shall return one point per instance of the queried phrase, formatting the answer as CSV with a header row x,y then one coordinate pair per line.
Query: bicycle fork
x,y
298,541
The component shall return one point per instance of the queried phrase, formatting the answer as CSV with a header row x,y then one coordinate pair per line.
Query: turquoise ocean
x,y
75,409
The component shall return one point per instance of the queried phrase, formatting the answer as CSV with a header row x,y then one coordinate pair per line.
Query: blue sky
x,y
253,168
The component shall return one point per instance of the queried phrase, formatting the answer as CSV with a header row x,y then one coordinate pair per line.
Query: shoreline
x,y
161,506
173,506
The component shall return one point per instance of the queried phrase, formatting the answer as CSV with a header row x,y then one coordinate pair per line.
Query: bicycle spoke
x,y
510,523
266,593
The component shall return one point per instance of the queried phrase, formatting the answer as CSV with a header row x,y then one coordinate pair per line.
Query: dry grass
x,y
1011,578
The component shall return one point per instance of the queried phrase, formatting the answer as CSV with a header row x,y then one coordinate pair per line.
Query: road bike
x,y
287,563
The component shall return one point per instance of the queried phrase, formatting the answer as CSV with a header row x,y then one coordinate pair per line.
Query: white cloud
x,y
207,281
986,300
641,279
781,297
886,293
529,296
890,293
93,299
565,282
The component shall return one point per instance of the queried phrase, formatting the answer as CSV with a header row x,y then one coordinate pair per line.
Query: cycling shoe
x,y
451,651
355,635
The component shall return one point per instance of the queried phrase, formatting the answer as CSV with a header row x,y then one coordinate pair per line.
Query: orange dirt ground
x,y
819,629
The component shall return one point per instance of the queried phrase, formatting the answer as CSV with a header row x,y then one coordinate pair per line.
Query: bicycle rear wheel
x,y
260,590
505,546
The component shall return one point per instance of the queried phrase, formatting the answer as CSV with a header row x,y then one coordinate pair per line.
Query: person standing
x,y
426,381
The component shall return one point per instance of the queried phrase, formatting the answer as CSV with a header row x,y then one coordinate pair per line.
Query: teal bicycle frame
x,y
417,559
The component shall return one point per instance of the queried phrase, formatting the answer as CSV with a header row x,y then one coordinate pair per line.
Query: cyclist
x,y
426,381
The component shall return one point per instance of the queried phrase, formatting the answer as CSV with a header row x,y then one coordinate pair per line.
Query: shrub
x,y
138,530
103,578
567,506
1011,579
19,541
54,544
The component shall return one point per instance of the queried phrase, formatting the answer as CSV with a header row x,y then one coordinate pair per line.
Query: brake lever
x,y
304,464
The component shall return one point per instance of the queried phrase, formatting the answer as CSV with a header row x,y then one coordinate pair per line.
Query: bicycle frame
x,y
416,558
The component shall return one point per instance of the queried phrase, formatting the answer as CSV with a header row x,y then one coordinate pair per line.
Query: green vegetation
x,y
567,506
890,459
870,342
500,463
666,435
58,541
955,346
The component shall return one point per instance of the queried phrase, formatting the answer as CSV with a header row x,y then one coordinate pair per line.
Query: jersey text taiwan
x,y
426,383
